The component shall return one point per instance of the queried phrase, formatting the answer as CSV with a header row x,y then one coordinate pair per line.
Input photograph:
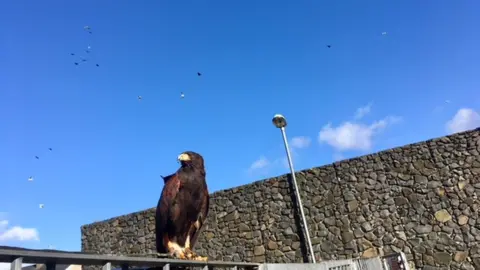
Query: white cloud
x,y
3,224
260,163
353,136
362,111
17,233
260,167
295,143
464,119
300,142
263,165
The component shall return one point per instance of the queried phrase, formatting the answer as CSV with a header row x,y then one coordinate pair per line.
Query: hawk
x,y
182,208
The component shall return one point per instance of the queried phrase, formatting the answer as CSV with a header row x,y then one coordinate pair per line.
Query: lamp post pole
x,y
280,122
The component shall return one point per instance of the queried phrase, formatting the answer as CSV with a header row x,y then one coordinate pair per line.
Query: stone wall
x,y
421,199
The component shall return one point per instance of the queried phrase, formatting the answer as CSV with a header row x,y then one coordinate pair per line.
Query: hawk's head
x,y
190,158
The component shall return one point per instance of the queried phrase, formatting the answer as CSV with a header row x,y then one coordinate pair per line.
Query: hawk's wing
x,y
166,178
163,211
201,219
202,216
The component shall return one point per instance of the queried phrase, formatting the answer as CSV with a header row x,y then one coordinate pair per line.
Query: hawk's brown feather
x,y
184,201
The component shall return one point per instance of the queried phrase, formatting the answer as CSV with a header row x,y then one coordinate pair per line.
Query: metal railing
x,y
17,256
396,261
52,258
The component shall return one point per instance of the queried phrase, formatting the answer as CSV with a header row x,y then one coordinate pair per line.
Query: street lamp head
x,y
279,121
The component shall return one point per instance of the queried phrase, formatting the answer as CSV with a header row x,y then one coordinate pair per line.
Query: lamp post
x,y
280,122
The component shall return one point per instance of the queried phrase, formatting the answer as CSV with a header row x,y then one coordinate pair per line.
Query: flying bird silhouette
x,y
87,28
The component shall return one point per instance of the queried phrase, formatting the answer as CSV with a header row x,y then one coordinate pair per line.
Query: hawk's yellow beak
x,y
184,157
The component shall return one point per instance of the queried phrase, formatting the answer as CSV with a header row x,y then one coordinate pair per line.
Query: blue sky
x,y
369,91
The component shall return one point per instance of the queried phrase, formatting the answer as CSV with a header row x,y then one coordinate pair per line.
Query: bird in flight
x,y
87,28
199,74
329,46
37,157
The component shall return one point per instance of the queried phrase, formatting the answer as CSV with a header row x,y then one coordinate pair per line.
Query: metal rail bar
x,y
16,264
19,256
